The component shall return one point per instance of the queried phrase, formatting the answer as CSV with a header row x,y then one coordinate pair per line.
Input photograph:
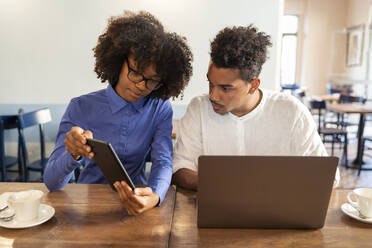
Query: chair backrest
x,y
319,105
10,123
350,99
34,118
345,89
300,95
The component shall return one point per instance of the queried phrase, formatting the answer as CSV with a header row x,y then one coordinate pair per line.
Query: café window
x,y
289,49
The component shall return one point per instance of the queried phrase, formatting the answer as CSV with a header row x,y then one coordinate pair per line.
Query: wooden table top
x,y
332,97
91,215
350,108
339,230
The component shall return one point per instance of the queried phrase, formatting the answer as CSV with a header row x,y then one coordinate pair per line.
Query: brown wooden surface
x,y
350,108
91,216
333,97
339,230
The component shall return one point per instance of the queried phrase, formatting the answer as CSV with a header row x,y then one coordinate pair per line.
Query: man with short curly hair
x,y
144,66
238,118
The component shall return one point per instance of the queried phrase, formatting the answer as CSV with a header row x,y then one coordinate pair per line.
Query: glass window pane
x,y
288,63
290,24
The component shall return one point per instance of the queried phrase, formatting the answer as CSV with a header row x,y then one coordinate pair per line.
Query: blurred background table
x,y
331,97
354,108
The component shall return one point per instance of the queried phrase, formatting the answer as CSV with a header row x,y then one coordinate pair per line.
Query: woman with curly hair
x,y
144,66
238,117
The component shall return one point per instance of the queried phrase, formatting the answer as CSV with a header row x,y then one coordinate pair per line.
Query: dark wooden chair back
x,y
6,123
30,119
350,99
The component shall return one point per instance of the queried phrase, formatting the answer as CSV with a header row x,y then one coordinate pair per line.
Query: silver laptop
x,y
264,191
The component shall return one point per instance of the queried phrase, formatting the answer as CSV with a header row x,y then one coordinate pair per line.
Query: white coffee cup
x,y
25,204
361,199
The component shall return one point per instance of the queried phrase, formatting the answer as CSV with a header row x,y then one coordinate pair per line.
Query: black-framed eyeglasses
x,y
137,77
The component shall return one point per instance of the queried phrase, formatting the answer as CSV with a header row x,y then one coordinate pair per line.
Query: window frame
x,y
296,34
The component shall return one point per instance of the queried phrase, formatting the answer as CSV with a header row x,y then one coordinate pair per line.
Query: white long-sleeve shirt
x,y
280,125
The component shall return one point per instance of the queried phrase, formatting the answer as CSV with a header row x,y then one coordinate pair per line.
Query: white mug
x,y
25,204
362,201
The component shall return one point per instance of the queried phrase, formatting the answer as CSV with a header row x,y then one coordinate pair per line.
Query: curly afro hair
x,y
242,48
143,36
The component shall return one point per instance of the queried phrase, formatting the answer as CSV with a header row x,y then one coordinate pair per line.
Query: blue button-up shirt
x,y
132,129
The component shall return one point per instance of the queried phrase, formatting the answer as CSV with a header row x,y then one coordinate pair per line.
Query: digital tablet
x,y
109,162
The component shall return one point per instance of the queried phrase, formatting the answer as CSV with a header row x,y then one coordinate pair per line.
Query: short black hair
x,y
242,48
143,36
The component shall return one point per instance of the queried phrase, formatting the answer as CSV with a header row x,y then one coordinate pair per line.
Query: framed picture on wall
x,y
354,45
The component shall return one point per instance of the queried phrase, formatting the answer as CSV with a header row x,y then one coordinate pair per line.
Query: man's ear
x,y
255,83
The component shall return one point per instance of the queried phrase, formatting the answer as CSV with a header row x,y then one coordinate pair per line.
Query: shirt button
x,y
124,128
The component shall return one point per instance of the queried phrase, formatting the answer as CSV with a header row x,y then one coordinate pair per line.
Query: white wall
x,y
357,14
46,45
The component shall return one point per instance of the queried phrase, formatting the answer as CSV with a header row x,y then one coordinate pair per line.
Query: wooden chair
x,y
26,120
7,123
334,132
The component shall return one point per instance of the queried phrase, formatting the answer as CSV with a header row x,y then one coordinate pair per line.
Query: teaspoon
x,y
5,207
7,215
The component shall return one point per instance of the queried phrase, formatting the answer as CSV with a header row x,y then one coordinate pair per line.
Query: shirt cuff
x,y
160,193
72,163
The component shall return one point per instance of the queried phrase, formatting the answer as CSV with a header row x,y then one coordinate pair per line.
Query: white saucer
x,y
45,213
353,213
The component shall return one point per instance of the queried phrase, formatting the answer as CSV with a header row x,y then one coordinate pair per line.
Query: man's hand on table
x,y
76,143
138,200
